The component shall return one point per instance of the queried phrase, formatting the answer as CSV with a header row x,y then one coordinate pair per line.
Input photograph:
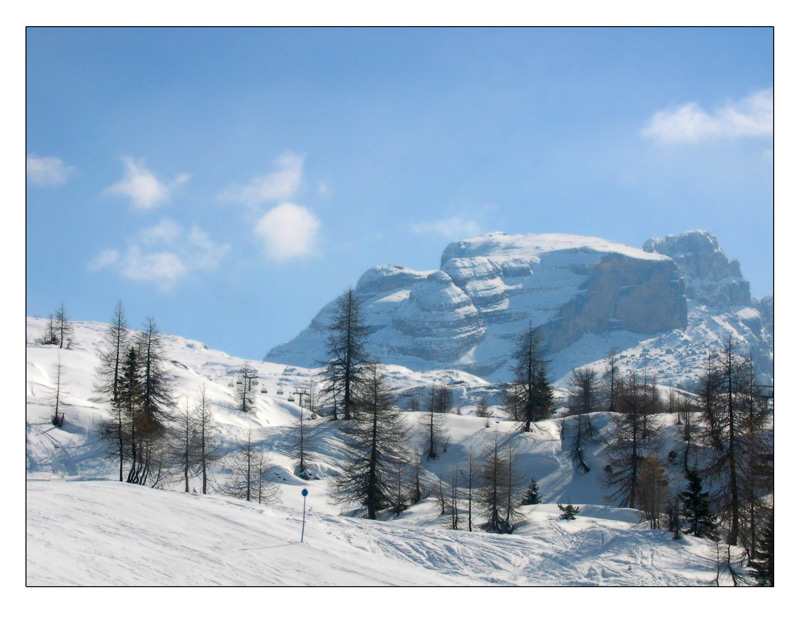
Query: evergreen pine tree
x,y
695,508
568,512
529,396
108,383
763,562
375,442
347,357
531,497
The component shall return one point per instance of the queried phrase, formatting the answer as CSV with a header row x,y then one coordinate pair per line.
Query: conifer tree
x,y
108,379
432,424
57,418
696,510
531,496
499,489
529,396
63,327
568,512
763,562
248,465
347,356
185,444
687,422
302,446
482,409
416,486
471,475
50,335
151,404
375,442
454,494
207,443
582,401
735,419
652,491
611,378
130,403
441,399
400,497
441,495
634,436
244,388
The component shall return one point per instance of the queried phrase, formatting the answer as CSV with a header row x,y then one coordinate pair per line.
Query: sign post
x,y
303,531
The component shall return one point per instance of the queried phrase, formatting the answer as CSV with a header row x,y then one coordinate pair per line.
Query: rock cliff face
x,y
488,289
711,279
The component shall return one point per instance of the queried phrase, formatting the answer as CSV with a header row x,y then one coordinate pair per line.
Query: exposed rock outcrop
x,y
711,279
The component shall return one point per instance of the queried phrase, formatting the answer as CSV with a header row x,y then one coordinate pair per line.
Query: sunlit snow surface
x,y
85,528
107,533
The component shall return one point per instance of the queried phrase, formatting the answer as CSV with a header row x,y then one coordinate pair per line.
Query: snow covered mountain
x,y
660,308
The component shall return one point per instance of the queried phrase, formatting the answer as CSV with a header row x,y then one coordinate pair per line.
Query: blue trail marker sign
x,y
303,531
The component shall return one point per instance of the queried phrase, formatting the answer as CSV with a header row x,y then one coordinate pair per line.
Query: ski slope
x,y
107,533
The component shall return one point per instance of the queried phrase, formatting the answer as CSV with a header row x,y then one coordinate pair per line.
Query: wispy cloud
x,y
142,187
691,124
104,259
166,232
279,185
288,232
452,229
163,254
47,171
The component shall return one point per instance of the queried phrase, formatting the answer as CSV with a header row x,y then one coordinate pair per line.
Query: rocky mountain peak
x,y
710,278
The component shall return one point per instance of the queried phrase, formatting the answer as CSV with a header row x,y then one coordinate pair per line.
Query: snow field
x,y
86,529
108,533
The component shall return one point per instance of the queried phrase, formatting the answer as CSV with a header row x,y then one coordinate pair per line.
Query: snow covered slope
x,y
75,448
661,308
107,533
84,528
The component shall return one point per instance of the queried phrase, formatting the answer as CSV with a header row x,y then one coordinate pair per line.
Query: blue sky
x,y
230,182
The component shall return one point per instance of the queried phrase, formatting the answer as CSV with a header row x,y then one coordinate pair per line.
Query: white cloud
x,y
106,258
691,124
288,231
142,187
451,229
163,254
279,185
162,267
47,171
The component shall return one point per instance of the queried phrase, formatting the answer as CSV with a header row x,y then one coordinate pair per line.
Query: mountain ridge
x,y
586,295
